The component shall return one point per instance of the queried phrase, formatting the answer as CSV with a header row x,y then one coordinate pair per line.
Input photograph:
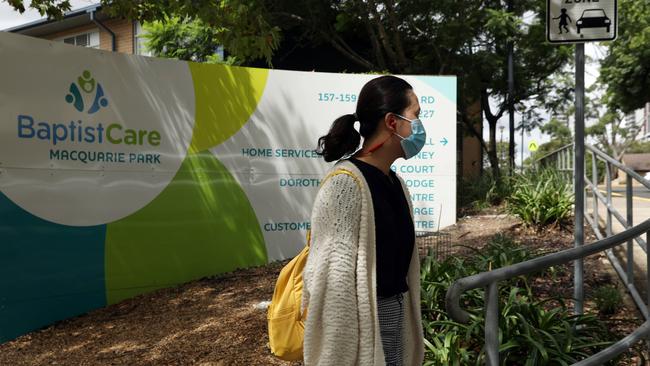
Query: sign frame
x,y
585,39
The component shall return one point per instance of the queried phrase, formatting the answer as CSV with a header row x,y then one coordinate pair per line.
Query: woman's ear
x,y
390,121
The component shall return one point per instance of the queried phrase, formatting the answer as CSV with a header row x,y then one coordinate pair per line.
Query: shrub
x,y
541,198
484,191
607,299
532,333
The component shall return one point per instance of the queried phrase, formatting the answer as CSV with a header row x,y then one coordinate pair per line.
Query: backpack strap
x,y
330,175
341,171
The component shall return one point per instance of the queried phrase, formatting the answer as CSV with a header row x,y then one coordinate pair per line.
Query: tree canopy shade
x,y
242,26
185,39
626,69
467,38
49,8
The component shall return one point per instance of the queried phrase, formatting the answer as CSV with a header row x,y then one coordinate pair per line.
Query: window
x,y
90,39
139,41
630,119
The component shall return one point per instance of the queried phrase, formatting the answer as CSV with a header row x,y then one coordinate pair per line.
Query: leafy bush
x,y
531,333
639,147
541,197
502,251
484,191
607,299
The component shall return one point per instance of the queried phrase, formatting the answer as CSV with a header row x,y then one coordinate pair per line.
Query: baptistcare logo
x,y
86,84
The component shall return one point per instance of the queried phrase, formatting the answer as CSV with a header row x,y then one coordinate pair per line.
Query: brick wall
x,y
122,28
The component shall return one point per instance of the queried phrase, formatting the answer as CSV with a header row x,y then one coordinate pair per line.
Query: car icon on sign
x,y
593,18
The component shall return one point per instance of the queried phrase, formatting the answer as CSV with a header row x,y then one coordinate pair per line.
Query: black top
x,y
394,230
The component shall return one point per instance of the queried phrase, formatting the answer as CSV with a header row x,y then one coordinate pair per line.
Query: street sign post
x,y
580,21
570,21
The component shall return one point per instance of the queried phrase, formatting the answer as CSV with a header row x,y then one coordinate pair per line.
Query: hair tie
x,y
356,118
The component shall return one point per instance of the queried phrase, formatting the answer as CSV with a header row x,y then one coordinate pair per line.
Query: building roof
x,y
638,162
71,19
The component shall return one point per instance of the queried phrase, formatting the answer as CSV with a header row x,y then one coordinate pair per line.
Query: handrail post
x,y
647,273
630,247
567,163
594,176
489,281
579,169
573,168
609,197
492,324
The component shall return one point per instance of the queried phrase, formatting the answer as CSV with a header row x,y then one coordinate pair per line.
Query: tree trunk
x,y
492,122
492,152
511,103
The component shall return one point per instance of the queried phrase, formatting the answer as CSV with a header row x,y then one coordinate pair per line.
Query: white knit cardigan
x,y
340,280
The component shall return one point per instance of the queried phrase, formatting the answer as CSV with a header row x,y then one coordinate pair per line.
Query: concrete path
x,y
640,213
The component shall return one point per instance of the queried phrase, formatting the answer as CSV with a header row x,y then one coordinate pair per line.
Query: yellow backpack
x,y
285,321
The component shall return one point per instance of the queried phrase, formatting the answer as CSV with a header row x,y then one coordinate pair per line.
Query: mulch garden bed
x,y
215,321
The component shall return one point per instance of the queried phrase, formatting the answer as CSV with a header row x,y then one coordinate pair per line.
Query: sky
x,y
10,18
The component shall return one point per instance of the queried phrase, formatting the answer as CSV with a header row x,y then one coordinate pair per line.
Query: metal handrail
x,y
490,279
605,157
554,152
627,274
620,166
611,211
533,265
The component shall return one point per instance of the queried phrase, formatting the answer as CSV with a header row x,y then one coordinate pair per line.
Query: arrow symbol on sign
x,y
444,141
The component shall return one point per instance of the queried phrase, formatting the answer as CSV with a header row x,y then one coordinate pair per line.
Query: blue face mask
x,y
413,143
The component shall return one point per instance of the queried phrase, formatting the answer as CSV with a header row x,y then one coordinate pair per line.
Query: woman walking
x,y
362,277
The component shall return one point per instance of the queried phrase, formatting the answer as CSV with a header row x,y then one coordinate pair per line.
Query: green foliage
x,y
187,40
639,147
458,37
608,299
53,9
502,156
558,131
626,69
241,27
532,60
612,134
531,333
502,251
482,192
541,197
545,149
244,27
467,38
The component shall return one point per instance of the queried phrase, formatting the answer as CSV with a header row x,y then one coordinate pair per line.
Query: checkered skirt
x,y
391,321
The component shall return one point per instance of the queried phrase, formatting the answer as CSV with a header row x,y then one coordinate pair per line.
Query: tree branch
x,y
485,105
335,40
397,39
383,37
374,41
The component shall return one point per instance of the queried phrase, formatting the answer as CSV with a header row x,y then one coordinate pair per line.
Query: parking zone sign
x,y
570,21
